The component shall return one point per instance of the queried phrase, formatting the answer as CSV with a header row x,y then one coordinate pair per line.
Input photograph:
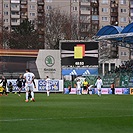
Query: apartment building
x,y
91,15
117,13
0,11
15,11
114,12
1,24
131,10
84,11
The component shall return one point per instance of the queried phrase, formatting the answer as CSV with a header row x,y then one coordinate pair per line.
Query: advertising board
x,y
48,64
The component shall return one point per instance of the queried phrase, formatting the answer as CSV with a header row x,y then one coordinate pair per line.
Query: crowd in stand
x,y
126,67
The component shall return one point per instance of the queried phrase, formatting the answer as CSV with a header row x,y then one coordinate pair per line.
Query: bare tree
x,y
59,26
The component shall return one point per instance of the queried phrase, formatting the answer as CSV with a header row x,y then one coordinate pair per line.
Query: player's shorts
x,y
29,87
99,89
47,88
78,89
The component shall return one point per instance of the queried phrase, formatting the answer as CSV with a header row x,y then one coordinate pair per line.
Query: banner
x,y
131,91
15,88
122,91
104,91
71,91
80,71
54,85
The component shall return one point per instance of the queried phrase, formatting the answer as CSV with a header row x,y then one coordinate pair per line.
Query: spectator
x,y
113,88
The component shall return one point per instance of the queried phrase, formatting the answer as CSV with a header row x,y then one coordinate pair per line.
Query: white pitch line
x,y
32,119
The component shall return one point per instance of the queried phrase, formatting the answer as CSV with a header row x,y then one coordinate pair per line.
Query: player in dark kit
x,y
4,81
20,83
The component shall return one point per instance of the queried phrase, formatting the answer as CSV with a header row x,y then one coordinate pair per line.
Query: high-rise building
x,y
113,12
15,11
86,12
1,23
131,10
91,15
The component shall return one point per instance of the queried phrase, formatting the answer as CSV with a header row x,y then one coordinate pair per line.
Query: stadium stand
x,y
122,76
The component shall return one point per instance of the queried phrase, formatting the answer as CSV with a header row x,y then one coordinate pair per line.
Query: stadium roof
x,y
128,28
116,33
109,30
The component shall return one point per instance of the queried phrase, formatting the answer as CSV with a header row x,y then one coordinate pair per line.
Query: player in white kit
x,y
29,77
78,86
99,84
48,85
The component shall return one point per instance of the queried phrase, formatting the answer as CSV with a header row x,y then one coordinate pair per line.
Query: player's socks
x,y
27,95
47,93
98,92
32,94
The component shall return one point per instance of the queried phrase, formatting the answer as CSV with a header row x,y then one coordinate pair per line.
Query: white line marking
x,y
40,119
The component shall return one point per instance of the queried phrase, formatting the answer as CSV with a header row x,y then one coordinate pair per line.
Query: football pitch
x,y
60,113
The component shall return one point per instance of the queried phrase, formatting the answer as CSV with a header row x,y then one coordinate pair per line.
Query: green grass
x,y
61,113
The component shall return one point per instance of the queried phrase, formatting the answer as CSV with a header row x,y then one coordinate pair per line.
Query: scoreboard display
x,y
79,53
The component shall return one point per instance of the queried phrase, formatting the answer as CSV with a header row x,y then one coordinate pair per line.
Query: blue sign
x,y
80,71
53,84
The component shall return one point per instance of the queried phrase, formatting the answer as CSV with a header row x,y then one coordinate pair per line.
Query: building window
x,y
5,20
123,2
5,13
123,10
32,14
95,17
33,0
105,1
85,8
14,13
123,53
75,8
123,19
14,20
32,7
48,0
104,18
5,5
123,27
131,10
104,9
14,6
49,7
75,0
